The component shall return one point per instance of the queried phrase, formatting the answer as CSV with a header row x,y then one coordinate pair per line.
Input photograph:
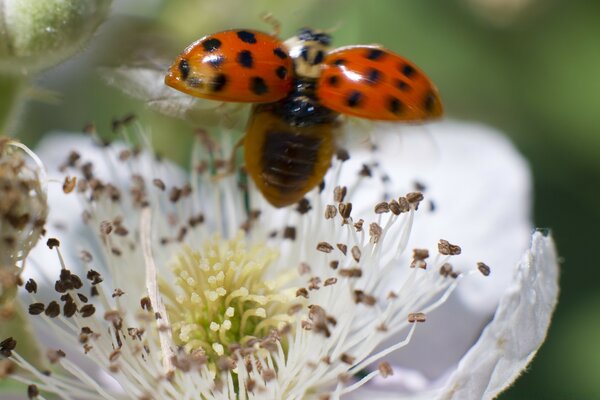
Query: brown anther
x,y
69,309
362,297
36,308
52,243
448,249
342,247
416,317
483,268
195,220
94,277
342,155
351,272
334,264
419,257
359,225
414,198
159,184
82,297
403,204
186,190
385,369
307,326
53,309
313,283
124,155
268,375
356,253
348,359
289,233
31,286
32,391
330,281
345,210
146,304
446,269
339,193
382,327
303,206
7,346
330,211
394,207
106,228
365,171
121,230
382,208
69,184
55,355
175,194
87,311
118,293
324,247
375,232
302,292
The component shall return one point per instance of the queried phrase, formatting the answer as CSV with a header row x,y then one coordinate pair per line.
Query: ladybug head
x,y
309,35
308,49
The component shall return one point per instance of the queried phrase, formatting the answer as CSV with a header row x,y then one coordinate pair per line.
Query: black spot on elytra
x,y
184,69
373,76
211,44
429,102
333,80
247,37
218,83
216,62
281,72
339,61
354,98
407,70
318,58
280,53
374,54
400,84
244,58
394,105
258,85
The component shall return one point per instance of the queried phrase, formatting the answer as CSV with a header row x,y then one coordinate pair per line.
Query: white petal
x,y
517,331
481,189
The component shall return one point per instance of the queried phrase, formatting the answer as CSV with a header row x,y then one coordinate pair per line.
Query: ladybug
x,y
300,89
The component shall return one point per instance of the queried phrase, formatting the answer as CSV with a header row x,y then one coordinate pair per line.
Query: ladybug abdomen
x,y
289,159
285,160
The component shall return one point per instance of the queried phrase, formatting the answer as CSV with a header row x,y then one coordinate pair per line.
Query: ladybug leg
x,y
231,161
274,22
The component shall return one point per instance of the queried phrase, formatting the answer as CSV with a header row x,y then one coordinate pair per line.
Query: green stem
x,y
12,88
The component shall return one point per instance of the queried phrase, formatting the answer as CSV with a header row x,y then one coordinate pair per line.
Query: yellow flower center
x,y
226,296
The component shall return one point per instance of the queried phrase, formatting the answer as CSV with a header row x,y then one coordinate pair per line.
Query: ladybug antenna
x,y
270,19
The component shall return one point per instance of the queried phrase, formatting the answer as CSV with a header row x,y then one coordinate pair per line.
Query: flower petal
x,y
518,329
480,188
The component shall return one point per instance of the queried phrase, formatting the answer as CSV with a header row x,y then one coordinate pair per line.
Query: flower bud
x,y
23,207
38,34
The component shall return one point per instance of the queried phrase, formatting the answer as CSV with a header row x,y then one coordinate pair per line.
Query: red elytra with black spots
x,y
250,66
236,65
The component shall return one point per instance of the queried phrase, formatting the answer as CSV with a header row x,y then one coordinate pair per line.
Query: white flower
x,y
198,289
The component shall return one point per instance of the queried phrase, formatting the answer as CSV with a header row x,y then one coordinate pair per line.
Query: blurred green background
x,y
528,67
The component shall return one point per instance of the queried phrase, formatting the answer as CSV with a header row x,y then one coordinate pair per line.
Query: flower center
x,y
227,296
